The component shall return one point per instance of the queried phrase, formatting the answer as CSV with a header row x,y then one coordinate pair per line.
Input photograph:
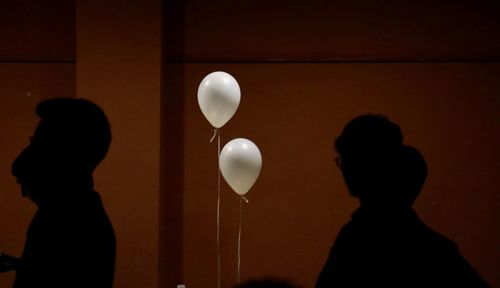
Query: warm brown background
x,y
293,112
318,30
305,68
118,67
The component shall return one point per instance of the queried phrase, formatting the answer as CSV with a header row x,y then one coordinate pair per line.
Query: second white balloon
x,y
240,164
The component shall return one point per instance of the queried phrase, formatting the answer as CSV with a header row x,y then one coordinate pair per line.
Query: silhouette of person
x,y
385,244
265,283
70,241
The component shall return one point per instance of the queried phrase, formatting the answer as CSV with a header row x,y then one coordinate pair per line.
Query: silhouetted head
x,y
265,283
377,167
71,139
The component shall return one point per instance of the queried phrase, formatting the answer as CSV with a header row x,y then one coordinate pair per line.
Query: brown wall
x,y
119,50
428,66
293,112
159,180
317,30
37,31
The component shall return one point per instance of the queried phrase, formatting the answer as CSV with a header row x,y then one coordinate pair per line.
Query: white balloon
x,y
240,163
218,96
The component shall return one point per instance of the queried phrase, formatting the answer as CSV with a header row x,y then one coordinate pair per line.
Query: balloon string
x,y
217,132
239,242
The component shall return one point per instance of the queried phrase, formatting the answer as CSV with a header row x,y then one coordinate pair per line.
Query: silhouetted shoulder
x,y
378,250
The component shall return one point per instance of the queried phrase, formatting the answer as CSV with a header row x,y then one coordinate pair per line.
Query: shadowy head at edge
x,y
266,283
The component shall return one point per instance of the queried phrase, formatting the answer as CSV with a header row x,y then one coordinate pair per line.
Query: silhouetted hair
x,y
266,283
367,134
78,128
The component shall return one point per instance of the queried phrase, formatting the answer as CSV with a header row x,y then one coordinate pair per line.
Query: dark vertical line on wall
x,y
171,175
171,149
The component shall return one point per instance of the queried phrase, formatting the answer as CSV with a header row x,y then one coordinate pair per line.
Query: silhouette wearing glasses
x,y
385,244
70,242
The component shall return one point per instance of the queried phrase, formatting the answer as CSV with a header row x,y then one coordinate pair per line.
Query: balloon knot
x,y
244,199
215,134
